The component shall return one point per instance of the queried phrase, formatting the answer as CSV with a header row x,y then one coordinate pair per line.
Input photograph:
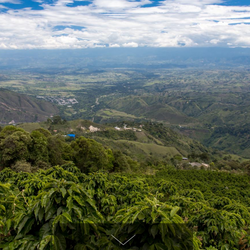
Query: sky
x,y
76,24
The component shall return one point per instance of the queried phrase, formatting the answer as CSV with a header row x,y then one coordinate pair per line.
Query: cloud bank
x,y
66,24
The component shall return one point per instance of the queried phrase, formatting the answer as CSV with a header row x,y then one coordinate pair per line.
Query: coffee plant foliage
x,y
80,194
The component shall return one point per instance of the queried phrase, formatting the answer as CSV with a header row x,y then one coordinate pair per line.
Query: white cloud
x,y
123,23
118,4
214,41
132,44
10,1
114,45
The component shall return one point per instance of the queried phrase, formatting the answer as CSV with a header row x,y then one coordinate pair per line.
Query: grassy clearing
x,y
150,148
113,113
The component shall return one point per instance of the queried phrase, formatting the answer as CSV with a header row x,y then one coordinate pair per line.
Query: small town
x,y
58,100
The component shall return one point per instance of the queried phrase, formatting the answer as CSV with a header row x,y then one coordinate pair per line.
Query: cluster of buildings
x,y
127,128
12,122
196,164
58,100
71,135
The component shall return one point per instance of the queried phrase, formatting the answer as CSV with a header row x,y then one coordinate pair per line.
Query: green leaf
x,y
152,247
225,247
52,191
22,224
28,225
78,211
50,213
44,242
36,211
59,242
41,214
44,230
86,228
59,211
160,246
67,216
19,219
55,222
174,211
154,230
78,200
136,214
3,208
8,224
63,191
48,206
11,246
70,191
154,215
58,199
45,200
31,245
69,203
141,216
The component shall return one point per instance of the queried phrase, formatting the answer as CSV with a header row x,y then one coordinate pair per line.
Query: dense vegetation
x,y
75,194
23,151
149,143
62,208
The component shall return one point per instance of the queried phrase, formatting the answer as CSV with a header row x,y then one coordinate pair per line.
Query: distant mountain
x,y
57,60
15,108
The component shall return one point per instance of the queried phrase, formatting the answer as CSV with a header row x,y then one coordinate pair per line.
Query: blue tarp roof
x,y
71,135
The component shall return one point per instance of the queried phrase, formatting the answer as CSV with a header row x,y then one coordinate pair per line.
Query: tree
x,y
14,147
120,162
38,148
57,120
8,130
90,155
45,132
59,150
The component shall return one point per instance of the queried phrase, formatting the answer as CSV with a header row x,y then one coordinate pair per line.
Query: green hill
x,y
22,108
138,140
150,107
217,120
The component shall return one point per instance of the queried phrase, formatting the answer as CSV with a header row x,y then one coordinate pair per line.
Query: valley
x,y
124,124
92,149
211,106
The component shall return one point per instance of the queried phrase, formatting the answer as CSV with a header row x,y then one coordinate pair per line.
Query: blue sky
x,y
58,24
37,5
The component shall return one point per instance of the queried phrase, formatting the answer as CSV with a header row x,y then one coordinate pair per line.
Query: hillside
x,y
58,192
150,107
22,108
140,141
217,120
137,140
198,103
